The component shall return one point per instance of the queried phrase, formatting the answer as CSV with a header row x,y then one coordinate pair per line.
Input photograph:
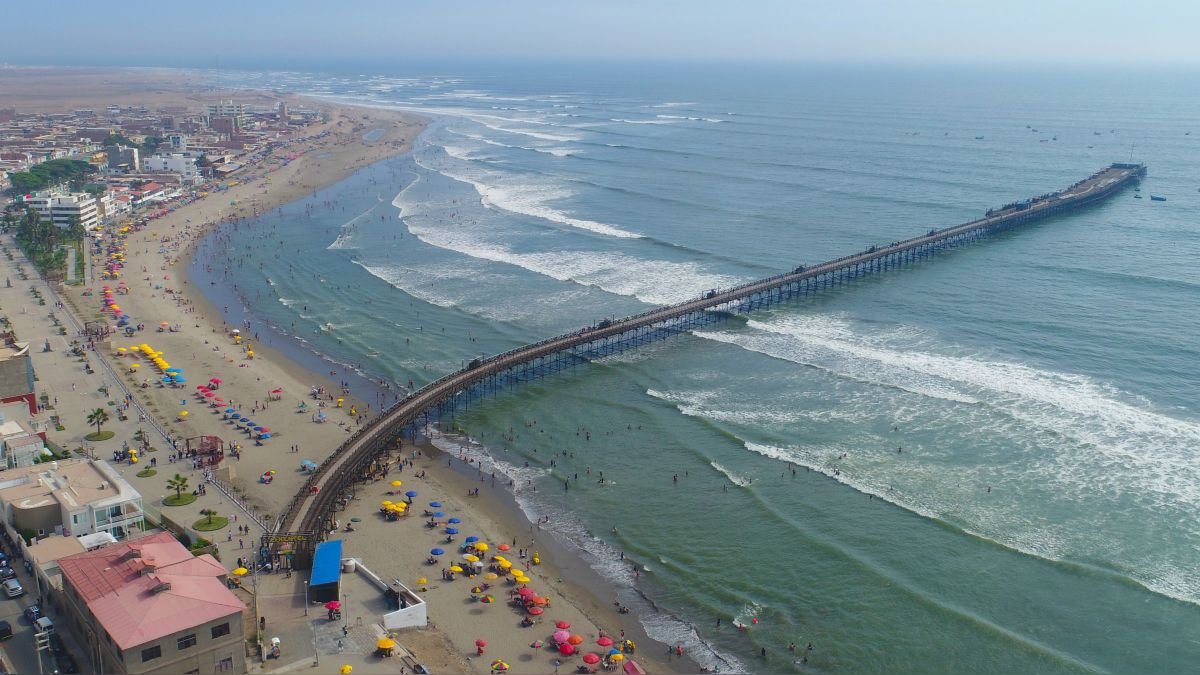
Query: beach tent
x,y
324,584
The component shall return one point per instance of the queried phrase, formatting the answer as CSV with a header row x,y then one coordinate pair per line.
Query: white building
x,y
61,209
70,497
179,163
227,109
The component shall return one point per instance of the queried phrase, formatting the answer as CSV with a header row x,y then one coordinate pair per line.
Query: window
x,y
219,631
151,653
187,641
224,665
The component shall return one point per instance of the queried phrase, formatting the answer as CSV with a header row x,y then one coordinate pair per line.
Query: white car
x,y
13,589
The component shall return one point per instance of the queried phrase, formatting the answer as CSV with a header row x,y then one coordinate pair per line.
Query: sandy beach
x,y
195,339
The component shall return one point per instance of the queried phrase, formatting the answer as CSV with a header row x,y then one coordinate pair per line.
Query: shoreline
x,y
178,239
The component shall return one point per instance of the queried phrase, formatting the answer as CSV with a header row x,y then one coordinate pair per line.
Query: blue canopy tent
x,y
324,585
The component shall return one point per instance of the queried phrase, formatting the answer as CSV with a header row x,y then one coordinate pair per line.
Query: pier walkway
x,y
306,519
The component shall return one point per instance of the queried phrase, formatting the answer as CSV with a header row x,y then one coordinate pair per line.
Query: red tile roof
x,y
120,588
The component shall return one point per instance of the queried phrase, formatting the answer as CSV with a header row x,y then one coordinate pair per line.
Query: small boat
x,y
1137,196
979,138
1157,198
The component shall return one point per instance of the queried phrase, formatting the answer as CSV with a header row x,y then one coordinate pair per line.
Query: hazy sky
x,y
270,32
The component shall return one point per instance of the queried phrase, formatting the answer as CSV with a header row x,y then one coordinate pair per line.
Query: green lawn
x,y
204,525
146,473
182,500
100,435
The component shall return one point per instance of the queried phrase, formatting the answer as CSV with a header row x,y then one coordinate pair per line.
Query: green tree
x,y
209,513
178,483
97,417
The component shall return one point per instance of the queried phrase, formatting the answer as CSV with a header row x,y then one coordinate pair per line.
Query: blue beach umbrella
x,y
436,551
264,435
451,530
435,505
259,428
454,521
471,539
166,380
178,380
231,410
438,514
410,493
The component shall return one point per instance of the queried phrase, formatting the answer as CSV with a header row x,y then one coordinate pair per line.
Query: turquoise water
x,y
1041,516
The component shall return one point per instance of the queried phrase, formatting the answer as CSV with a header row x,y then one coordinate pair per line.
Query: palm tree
x,y
210,513
178,483
97,417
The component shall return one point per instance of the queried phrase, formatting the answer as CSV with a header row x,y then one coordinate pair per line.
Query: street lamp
x,y
305,597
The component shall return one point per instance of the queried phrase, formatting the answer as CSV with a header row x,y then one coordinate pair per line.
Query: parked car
x,y
65,663
43,625
5,630
13,589
7,573
32,613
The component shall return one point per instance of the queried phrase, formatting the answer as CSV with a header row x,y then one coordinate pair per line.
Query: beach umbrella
x,y
259,428
499,666
410,493
471,539
346,669
536,644
481,643
526,592
617,657
384,502
438,514
264,436
456,569
504,564
535,611
563,625
560,636
454,521
481,546
265,430
135,366
356,519
575,640
215,380
422,581
183,413
333,605
209,394
539,600
613,652
386,643
397,483
240,572
436,505
503,547
491,576
451,530
566,649
604,641
471,558
591,659
436,551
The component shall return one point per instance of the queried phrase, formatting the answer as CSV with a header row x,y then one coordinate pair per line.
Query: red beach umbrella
x,y
536,611
526,592
566,649
333,604
563,625
591,659
481,642
604,641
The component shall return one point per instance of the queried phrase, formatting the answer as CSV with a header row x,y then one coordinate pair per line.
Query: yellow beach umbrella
x,y
386,502
135,366
183,413
456,569
616,657
386,643
504,565
500,558
471,558
397,483
422,581
481,546
346,669
491,576
240,572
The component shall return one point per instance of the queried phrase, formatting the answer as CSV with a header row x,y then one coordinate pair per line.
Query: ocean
x,y
989,461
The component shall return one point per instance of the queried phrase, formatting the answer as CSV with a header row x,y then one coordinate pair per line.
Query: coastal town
x,y
148,444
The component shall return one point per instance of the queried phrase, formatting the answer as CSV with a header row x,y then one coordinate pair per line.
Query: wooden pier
x,y
310,512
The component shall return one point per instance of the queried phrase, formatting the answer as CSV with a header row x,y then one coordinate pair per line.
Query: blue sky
x,y
270,32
